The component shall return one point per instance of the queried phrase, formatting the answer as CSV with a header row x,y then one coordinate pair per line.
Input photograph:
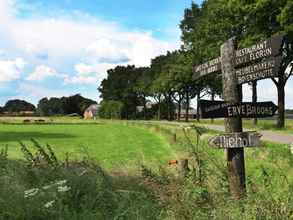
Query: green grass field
x,y
111,144
158,191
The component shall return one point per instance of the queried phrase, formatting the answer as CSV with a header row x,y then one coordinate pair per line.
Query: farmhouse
x,y
191,113
91,112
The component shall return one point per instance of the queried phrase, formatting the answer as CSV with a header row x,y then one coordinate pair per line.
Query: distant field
x,y
111,144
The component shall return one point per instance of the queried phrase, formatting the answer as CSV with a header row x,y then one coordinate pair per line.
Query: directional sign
x,y
211,66
236,140
221,109
268,68
268,48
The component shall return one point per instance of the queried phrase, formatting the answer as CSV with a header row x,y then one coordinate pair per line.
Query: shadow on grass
x,y
23,136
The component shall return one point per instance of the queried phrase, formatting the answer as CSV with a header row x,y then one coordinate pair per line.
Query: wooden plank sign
x,y
265,69
271,47
211,66
222,109
236,140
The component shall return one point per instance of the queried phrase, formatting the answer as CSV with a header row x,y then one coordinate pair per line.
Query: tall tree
x,y
120,85
264,23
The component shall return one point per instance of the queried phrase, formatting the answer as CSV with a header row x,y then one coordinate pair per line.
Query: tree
x,y
16,106
65,105
265,23
120,85
143,86
205,28
110,109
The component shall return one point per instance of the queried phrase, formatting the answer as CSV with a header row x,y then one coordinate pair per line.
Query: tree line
x,y
169,80
49,106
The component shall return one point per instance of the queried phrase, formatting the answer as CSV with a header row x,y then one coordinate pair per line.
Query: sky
x,y
63,47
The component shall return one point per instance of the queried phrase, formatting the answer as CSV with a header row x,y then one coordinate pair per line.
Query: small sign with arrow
x,y
236,140
222,109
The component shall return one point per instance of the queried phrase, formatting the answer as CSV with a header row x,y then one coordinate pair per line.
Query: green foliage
x,y
111,109
17,106
120,85
65,105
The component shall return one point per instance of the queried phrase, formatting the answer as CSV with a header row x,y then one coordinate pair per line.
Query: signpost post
x,y
232,94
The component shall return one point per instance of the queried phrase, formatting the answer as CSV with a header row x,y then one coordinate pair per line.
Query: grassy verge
x,y
262,125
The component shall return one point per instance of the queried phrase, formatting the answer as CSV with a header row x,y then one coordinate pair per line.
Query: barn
x,y
91,112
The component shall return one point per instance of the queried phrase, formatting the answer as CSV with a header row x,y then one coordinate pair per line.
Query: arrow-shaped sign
x,y
271,47
236,140
221,109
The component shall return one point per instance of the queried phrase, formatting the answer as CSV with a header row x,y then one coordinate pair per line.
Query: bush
x,y
110,109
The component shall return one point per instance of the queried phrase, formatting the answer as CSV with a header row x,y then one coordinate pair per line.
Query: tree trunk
x,y
167,98
159,109
212,99
254,98
281,103
144,107
187,107
179,110
197,107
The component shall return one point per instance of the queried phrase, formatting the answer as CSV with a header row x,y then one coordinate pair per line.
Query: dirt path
x,y
266,135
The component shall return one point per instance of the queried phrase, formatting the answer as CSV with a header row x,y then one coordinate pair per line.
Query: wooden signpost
x,y
221,109
236,140
257,62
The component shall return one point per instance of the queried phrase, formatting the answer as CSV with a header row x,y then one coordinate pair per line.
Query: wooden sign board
x,y
268,48
236,140
222,109
268,68
271,47
211,66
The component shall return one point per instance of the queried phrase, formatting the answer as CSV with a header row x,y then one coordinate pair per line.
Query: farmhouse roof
x,y
93,108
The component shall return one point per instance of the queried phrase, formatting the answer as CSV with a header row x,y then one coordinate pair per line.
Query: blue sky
x,y
63,47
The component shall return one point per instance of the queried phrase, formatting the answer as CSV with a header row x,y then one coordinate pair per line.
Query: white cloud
x,y
11,69
41,72
80,80
37,92
88,73
79,36
108,51
75,43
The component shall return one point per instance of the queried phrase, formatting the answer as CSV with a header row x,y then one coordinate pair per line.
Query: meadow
x,y
120,170
110,144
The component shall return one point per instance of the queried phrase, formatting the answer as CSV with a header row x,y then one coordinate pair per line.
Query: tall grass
x,y
43,187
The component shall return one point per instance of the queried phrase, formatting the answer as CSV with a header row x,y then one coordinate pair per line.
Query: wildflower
x,y
61,182
49,204
63,188
31,192
57,183
48,186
